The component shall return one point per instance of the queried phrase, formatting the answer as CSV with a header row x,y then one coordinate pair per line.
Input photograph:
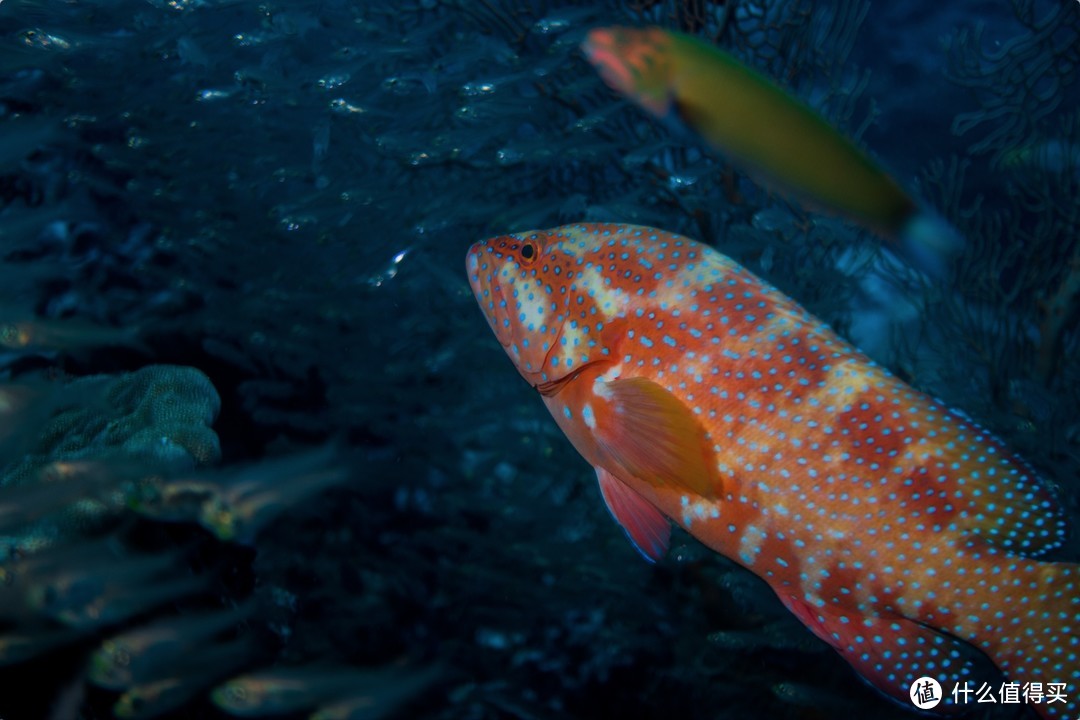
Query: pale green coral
x,y
161,415
161,412
166,411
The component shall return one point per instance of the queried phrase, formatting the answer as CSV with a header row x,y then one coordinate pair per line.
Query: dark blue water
x,y
245,372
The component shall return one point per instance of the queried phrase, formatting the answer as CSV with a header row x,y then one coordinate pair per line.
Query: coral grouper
x,y
896,529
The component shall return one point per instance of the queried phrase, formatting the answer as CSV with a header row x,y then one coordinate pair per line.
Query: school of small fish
x,y
894,528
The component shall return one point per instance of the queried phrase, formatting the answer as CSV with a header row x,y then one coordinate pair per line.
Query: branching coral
x,y
1021,83
1026,257
1004,340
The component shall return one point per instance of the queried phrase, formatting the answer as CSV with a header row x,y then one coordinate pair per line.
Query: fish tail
x,y
1037,639
930,242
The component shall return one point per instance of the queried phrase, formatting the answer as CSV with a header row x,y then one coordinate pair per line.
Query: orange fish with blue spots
x,y
897,530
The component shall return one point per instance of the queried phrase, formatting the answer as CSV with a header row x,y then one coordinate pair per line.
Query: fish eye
x,y
529,251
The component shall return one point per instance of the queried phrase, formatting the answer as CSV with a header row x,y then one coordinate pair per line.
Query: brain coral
x,y
160,415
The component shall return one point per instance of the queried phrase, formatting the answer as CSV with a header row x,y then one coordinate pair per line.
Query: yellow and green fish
x,y
765,130
897,530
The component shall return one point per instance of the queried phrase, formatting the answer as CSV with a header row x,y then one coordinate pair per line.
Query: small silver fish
x,y
387,699
42,335
139,655
289,690
60,483
189,680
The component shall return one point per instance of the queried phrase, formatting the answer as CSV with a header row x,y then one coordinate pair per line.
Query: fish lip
x,y
479,285
599,49
504,335
601,39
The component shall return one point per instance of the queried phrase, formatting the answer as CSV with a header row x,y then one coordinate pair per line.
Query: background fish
x,y
893,528
681,79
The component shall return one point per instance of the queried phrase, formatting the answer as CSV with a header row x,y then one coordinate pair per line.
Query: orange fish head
x,y
635,62
535,290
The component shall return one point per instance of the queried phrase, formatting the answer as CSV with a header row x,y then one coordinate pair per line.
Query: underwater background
x,y
262,457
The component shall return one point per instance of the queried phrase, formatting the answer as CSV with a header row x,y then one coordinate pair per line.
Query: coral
x,y
160,415
1024,258
1020,83
163,412
1002,340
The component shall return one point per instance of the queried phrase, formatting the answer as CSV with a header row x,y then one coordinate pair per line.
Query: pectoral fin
x,y
647,528
656,438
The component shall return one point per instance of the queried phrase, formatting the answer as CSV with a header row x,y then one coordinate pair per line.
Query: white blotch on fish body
x,y
700,509
530,301
601,387
750,545
609,301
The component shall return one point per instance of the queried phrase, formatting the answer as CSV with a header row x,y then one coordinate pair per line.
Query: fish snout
x,y
483,278
599,49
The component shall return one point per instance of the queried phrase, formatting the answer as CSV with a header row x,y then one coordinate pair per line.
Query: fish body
x,y
895,529
290,690
136,656
60,483
43,335
395,689
761,127
1053,155
19,648
190,678
236,504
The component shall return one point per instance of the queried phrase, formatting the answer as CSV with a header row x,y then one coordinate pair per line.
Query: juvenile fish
x,y
289,690
189,679
139,655
38,335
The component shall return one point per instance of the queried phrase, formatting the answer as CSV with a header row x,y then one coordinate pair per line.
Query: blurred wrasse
x,y
776,138
236,504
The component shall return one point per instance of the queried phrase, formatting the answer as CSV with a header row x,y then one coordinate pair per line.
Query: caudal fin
x,y
930,242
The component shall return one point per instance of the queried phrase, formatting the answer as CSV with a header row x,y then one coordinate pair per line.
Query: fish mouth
x,y
489,296
599,49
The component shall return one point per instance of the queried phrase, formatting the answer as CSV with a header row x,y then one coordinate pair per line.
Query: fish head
x,y
634,62
545,300
14,335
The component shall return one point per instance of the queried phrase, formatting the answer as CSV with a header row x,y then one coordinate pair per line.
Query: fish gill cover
x,y
262,457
